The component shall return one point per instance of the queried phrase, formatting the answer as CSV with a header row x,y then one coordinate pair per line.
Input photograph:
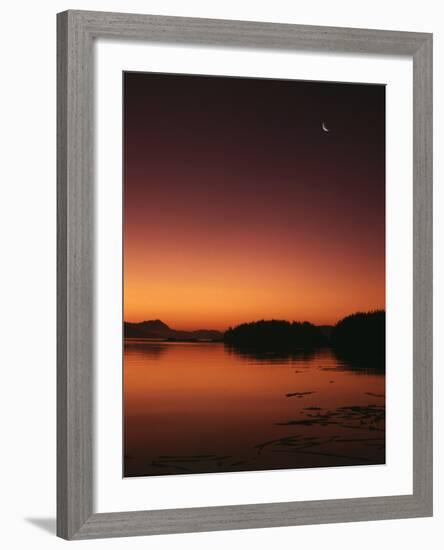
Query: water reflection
x,y
146,347
205,407
259,355
370,363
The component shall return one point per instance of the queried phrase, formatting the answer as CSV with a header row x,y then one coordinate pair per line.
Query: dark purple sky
x,y
238,205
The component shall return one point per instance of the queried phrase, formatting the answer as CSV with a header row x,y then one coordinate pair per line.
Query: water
x,y
201,407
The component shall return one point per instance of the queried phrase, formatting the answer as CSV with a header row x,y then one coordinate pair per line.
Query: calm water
x,y
200,407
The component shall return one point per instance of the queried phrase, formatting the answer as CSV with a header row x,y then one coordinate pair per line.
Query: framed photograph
x,y
244,275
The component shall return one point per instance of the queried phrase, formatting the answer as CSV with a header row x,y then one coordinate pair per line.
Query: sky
x,y
238,206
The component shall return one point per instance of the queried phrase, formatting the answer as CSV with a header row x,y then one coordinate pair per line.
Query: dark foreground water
x,y
201,407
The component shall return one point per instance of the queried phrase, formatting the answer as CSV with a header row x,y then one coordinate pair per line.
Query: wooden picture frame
x,y
77,31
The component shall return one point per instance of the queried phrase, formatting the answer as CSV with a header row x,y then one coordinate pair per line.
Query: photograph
x,y
254,274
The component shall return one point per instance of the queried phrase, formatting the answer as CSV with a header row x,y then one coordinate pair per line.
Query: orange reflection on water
x,y
200,407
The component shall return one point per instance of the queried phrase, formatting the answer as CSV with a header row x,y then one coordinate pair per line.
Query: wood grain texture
x,y
423,273
62,293
75,272
222,518
75,277
248,33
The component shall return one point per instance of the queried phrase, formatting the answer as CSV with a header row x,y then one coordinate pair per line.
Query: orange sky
x,y
239,207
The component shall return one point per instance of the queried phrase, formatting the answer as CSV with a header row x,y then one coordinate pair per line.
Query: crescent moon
x,y
324,127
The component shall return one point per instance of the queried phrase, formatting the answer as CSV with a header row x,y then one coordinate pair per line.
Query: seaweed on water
x,y
355,416
299,393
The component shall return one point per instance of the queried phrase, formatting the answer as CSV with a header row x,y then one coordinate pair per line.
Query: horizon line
x,y
256,320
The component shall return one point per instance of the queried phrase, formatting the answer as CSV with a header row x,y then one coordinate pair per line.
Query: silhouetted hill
x,y
159,330
361,338
275,335
147,329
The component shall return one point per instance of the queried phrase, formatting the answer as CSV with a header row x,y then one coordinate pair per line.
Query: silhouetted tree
x,y
361,338
275,335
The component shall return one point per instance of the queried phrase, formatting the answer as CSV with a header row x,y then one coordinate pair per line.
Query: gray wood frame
x,y
77,31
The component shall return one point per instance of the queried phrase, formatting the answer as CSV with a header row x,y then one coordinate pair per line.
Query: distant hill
x,y
158,329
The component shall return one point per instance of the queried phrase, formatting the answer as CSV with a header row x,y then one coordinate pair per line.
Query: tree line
x,y
360,336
